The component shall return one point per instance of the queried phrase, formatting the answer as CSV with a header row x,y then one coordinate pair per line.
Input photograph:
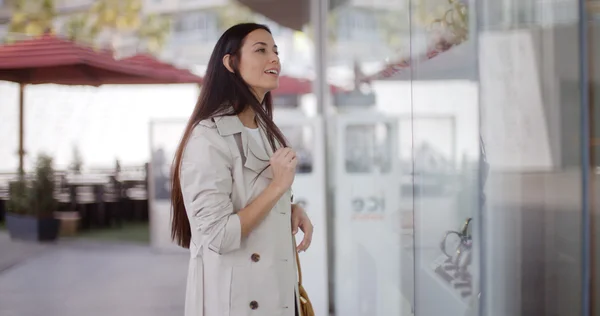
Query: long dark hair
x,y
223,93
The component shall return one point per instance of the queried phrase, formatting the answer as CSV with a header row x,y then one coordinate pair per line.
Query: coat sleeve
x,y
206,182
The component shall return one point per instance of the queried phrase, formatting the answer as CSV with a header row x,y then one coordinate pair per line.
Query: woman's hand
x,y
283,163
300,220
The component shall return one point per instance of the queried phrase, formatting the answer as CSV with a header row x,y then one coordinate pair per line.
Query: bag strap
x,y
297,261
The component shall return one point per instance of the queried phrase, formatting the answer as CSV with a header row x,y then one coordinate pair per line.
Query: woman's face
x,y
259,62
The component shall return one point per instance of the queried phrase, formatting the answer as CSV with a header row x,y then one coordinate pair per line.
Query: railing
x,y
101,197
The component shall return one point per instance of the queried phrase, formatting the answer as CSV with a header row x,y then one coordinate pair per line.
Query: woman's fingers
x,y
285,155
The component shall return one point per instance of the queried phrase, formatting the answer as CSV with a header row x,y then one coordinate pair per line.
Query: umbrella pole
x,y
21,126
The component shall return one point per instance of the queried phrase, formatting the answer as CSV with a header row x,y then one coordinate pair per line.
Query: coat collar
x,y
256,155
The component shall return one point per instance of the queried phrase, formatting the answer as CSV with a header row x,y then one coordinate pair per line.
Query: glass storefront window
x,y
370,161
487,124
531,222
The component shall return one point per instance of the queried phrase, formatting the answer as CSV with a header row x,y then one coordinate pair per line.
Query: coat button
x,y
254,305
255,257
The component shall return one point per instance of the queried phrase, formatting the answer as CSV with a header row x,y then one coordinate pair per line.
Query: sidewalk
x,y
14,252
75,278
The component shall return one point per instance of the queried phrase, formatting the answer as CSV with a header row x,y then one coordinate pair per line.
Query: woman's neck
x,y
248,118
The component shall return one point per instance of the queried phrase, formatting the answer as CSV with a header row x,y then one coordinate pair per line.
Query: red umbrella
x,y
181,75
291,85
49,59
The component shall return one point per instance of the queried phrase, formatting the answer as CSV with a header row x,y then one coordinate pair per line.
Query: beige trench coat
x,y
228,275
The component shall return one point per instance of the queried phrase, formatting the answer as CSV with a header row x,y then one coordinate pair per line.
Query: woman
x,y
231,193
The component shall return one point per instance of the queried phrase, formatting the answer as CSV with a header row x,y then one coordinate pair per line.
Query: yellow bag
x,y
306,308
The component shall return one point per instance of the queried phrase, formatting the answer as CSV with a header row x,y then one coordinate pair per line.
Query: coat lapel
x,y
255,155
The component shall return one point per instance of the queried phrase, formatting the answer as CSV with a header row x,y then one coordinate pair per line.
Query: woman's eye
x,y
263,50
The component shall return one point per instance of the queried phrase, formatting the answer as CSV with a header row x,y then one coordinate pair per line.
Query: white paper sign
x,y
514,123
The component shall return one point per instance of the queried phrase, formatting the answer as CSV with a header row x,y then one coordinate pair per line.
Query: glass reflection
x,y
530,122
445,153
372,178
301,139
368,148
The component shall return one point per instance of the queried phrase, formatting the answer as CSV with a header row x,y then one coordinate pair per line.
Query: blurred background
x,y
448,151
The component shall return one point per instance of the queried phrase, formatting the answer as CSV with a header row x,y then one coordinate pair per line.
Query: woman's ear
x,y
227,62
